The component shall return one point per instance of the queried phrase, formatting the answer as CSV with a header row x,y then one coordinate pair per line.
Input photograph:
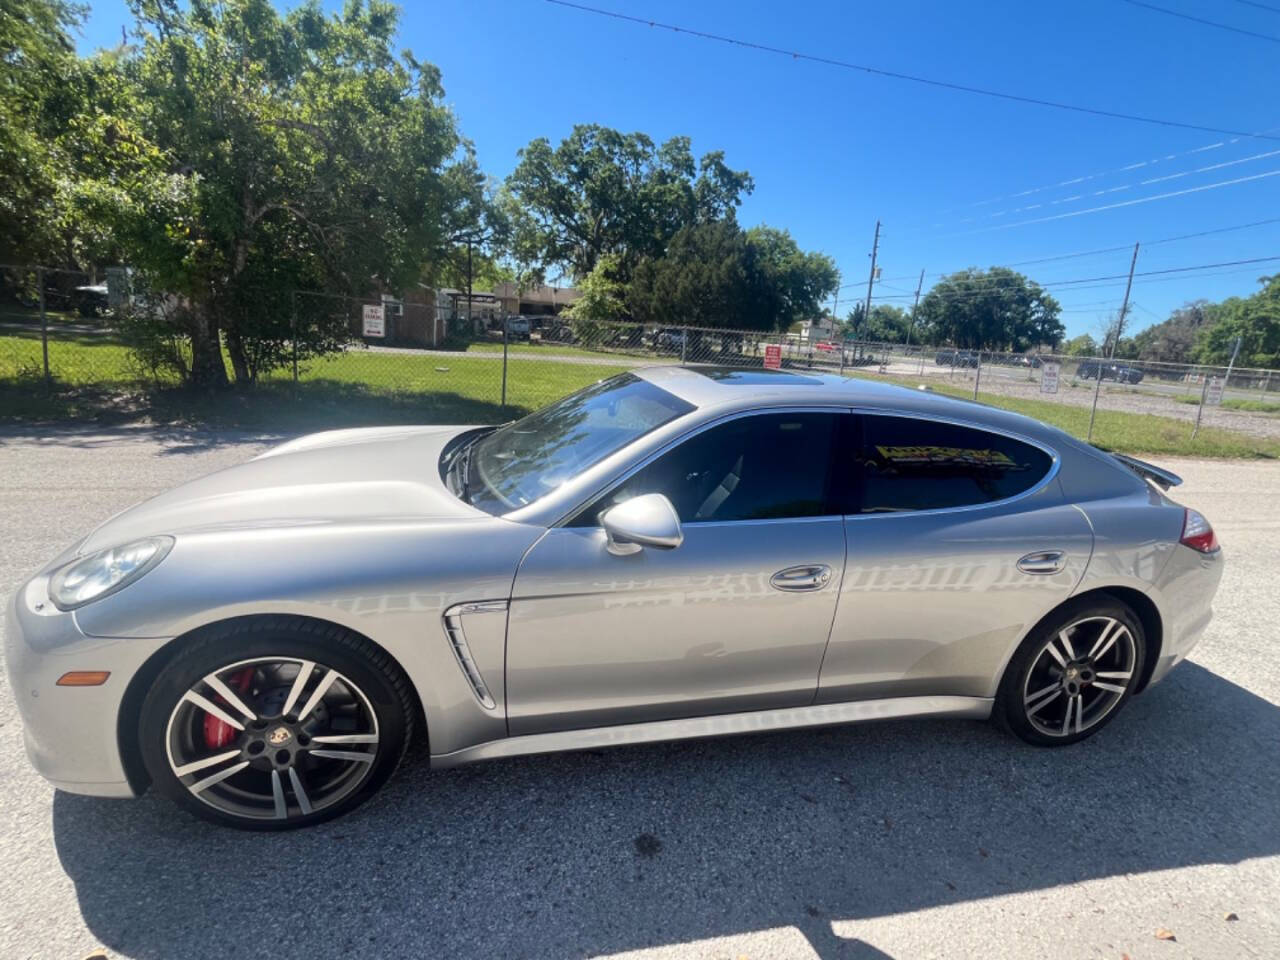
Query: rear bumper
x,y
1184,595
70,733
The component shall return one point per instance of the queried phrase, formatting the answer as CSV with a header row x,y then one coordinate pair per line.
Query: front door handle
x,y
807,576
1043,562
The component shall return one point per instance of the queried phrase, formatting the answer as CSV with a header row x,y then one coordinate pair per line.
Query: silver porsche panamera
x,y
670,553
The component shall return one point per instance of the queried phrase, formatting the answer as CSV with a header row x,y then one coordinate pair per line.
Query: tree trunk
x,y
207,369
239,360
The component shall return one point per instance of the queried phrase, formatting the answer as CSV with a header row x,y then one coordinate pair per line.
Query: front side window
x,y
524,461
905,463
761,467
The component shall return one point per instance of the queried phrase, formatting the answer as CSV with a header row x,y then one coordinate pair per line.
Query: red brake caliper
x,y
218,733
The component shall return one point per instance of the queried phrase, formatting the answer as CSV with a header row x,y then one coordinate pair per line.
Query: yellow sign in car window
x,y
948,455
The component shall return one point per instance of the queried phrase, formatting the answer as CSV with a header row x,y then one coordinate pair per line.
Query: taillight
x,y
1198,534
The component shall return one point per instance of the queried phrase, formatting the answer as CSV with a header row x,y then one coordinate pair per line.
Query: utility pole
x,y
1124,309
911,326
871,277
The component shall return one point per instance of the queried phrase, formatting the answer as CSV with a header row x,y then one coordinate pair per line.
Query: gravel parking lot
x,y
905,839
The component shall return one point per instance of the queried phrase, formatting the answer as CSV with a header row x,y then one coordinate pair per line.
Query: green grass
x,y
1235,403
96,379
1123,432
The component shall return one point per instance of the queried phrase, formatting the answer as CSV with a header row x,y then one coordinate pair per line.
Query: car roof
x,y
728,389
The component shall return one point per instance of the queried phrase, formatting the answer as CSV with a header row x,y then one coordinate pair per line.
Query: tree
x,y
1255,320
1173,340
718,275
995,309
299,152
794,281
888,324
603,295
602,191
40,93
1081,346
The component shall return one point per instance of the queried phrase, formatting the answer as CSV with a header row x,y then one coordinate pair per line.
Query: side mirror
x,y
646,521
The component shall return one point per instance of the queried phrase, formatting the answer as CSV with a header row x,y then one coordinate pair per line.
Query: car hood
x,y
342,476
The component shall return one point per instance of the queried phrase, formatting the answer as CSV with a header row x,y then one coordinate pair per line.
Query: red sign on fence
x,y
773,356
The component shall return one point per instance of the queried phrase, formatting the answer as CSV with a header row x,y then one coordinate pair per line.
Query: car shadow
x,y
604,851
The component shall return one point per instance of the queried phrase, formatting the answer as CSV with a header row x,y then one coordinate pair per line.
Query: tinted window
x,y
752,468
907,464
525,460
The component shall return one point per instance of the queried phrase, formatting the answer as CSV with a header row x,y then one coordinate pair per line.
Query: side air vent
x,y
458,641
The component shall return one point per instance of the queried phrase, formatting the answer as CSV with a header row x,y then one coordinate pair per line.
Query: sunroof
x,y
771,378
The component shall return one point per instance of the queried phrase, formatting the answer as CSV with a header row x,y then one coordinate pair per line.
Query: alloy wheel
x,y
272,738
1079,676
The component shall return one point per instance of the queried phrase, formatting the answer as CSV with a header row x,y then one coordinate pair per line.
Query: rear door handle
x,y
1043,562
807,576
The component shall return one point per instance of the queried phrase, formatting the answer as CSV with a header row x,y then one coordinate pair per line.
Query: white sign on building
x,y
375,323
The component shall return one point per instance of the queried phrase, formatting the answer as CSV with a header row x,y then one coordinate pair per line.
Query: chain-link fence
x,y
425,358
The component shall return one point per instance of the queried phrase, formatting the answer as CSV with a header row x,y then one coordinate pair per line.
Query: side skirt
x,y
761,721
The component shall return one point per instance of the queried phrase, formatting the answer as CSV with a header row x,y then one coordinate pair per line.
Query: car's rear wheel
x,y
1073,673
268,725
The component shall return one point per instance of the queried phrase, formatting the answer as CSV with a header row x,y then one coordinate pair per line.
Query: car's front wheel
x,y
1073,673
273,724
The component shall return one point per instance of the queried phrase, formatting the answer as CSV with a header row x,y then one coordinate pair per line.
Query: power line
x,y
1122,203
1260,6
982,286
1101,250
1145,243
895,75
1207,23
1126,186
1085,178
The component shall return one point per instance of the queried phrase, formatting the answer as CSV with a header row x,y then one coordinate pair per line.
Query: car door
x,y
961,542
736,618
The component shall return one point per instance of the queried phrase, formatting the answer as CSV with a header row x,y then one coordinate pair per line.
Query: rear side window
x,y
905,463
761,467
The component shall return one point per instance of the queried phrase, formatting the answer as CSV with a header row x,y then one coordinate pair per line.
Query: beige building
x,y
533,301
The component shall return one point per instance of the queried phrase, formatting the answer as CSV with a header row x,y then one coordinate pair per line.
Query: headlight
x,y
103,573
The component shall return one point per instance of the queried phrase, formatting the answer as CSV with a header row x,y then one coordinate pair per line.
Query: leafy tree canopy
x,y
996,309
888,324
1255,320
606,192
718,275
1081,346
294,151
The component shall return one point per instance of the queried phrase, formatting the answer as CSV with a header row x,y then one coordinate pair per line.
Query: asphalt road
x,y
905,839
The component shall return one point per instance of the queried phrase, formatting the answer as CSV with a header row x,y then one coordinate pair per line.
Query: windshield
x,y
526,460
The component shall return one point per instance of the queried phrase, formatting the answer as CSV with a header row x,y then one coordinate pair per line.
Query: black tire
x,y
1026,704
378,689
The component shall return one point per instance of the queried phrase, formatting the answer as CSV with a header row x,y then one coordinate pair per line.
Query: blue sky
x,y
833,150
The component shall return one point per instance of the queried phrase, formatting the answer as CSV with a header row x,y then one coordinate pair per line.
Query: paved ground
x,y
907,839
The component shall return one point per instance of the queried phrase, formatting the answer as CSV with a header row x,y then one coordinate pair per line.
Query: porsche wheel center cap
x,y
279,736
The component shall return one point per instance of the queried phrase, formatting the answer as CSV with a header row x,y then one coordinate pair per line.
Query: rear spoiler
x,y
1161,478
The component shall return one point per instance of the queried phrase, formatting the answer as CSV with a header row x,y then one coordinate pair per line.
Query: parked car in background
x,y
558,331
956,358
669,338
1120,372
92,300
518,328
670,553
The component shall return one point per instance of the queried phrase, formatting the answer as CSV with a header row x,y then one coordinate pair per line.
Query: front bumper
x,y
71,733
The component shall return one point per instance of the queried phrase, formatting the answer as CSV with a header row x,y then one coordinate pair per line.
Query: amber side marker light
x,y
84,678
